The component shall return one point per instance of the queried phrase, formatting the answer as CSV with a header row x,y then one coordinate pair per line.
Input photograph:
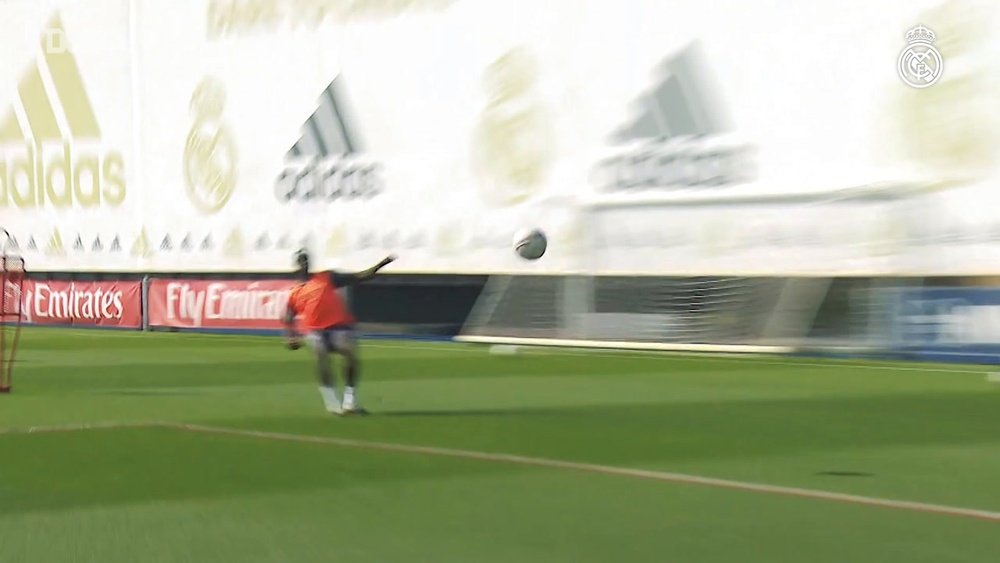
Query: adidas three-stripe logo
x,y
327,163
677,137
681,103
36,104
48,137
328,131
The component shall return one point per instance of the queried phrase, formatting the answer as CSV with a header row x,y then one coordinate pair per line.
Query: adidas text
x,y
329,181
65,178
676,165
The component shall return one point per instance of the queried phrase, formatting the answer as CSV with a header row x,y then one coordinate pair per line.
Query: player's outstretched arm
x,y
341,280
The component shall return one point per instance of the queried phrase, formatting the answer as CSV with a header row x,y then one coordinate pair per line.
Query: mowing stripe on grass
x,y
663,476
763,359
600,469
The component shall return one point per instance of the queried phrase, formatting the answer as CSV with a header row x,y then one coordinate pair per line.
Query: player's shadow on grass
x,y
842,473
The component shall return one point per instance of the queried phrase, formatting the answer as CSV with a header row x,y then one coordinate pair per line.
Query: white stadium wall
x,y
645,137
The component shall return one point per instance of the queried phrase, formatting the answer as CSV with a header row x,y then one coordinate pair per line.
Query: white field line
x,y
689,356
680,478
78,427
752,359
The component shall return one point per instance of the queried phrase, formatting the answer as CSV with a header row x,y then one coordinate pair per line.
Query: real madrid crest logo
x,y
513,141
210,154
920,64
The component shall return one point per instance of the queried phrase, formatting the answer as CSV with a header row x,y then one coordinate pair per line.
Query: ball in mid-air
x,y
530,244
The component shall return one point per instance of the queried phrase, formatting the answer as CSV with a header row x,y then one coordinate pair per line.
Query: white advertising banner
x,y
210,135
70,190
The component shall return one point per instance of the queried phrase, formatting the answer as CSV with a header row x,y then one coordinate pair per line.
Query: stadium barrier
x,y
949,320
946,319
948,324
411,306
87,303
220,304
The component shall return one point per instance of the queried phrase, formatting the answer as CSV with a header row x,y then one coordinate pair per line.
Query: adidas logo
x,y
233,245
681,134
141,248
326,164
681,104
50,150
55,246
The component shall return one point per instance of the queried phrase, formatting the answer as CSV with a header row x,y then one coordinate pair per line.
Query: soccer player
x,y
329,326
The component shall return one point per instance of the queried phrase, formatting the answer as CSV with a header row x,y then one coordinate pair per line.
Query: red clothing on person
x,y
318,305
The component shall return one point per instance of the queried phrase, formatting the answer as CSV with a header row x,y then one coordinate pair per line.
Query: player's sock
x,y
330,399
351,385
351,374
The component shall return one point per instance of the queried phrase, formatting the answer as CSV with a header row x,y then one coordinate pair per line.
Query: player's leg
x,y
351,372
322,345
345,344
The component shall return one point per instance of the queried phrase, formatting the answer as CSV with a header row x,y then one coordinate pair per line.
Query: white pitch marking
x,y
663,476
755,359
56,428
604,470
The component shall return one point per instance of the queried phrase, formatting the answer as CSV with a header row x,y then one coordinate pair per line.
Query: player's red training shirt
x,y
318,305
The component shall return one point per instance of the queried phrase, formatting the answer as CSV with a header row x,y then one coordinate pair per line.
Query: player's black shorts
x,y
333,339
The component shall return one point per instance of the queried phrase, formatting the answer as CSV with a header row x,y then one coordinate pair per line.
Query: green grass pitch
x,y
147,488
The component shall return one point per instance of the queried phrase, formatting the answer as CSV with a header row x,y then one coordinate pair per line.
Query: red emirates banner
x,y
240,304
97,303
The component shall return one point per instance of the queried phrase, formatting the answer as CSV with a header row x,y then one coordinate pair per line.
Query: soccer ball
x,y
530,244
